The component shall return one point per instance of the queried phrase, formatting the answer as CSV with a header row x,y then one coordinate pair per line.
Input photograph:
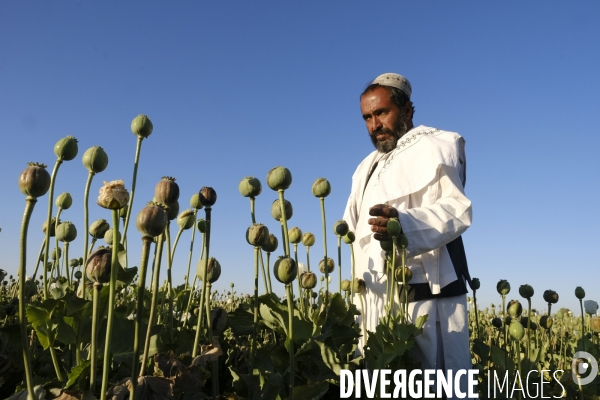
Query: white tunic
x,y
423,178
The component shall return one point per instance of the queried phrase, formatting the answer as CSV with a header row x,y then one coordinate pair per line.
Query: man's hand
x,y
382,214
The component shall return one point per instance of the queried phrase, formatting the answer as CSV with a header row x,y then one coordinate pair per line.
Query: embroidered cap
x,y
394,80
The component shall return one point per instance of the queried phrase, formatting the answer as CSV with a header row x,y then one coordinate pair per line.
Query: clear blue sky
x,y
236,88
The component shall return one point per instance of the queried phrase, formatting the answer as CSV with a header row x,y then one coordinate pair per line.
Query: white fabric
x,y
423,179
394,80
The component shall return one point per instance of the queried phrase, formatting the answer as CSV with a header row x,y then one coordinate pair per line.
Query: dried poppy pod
x,y
330,265
95,159
550,296
195,202
151,220
186,219
308,239
340,228
526,291
52,226
295,235
166,190
208,196
213,270
321,188
141,126
66,232
66,148
250,187
579,292
514,308
279,178
285,269
503,287
257,235
64,201
271,244
308,280
113,195
98,265
276,210
98,228
393,227
34,181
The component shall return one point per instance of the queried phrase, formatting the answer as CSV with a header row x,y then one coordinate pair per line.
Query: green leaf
x,y
76,305
65,334
37,315
126,275
241,322
311,391
79,371
502,359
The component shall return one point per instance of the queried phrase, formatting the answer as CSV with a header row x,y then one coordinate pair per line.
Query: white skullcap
x,y
394,80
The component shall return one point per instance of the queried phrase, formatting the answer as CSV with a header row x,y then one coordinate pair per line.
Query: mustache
x,y
383,130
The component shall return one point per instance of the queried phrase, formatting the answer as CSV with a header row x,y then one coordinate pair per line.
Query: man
x,y
416,174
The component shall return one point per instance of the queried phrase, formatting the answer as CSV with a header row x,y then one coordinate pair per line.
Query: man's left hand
x,y
382,214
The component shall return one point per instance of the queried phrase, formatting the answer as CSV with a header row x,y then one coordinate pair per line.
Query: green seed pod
x,y
113,195
525,321
195,202
66,232
503,287
359,286
34,181
271,244
66,148
330,265
340,228
166,190
295,235
123,212
475,284
250,187
95,159
151,220
257,235
579,292
78,275
213,270
402,241
108,236
219,321
386,245
208,196
141,126
550,296
393,227
516,330
285,269
55,253
321,188
52,226
497,322
186,219
74,262
80,260
408,274
172,210
201,225
276,210
98,265
64,201
308,280
526,291
308,239
279,178
514,308
349,237
346,285
99,228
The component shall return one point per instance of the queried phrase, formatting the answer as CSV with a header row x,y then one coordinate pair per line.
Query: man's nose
x,y
375,124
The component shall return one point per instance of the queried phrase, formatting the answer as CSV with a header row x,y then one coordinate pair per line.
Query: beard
x,y
385,146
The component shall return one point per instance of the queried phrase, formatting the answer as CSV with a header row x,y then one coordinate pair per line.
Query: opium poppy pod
x,y
64,201
295,235
279,178
166,190
66,148
308,239
185,220
250,187
503,287
95,159
98,228
359,285
526,291
213,270
514,308
308,280
66,232
346,285
34,181
340,228
201,225
142,126
52,226
475,284
550,296
330,265
516,330
321,188
276,210
285,269
257,235
579,292
208,196
113,195
271,244
349,237
393,227
98,265
151,220
195,202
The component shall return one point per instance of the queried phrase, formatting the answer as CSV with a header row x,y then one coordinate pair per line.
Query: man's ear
x,y
408,109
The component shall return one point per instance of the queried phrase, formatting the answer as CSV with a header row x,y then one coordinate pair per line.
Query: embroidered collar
x,y
409,138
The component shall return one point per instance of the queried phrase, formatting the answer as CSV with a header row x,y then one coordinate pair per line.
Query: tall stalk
x,y
286,238
169,278
255,325
133,182
203,294
353,275
86,228
111,302
324,224
59,161
290,304
187,276
94,351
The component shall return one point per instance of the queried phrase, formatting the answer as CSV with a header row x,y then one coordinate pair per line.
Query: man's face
x,y
386,122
